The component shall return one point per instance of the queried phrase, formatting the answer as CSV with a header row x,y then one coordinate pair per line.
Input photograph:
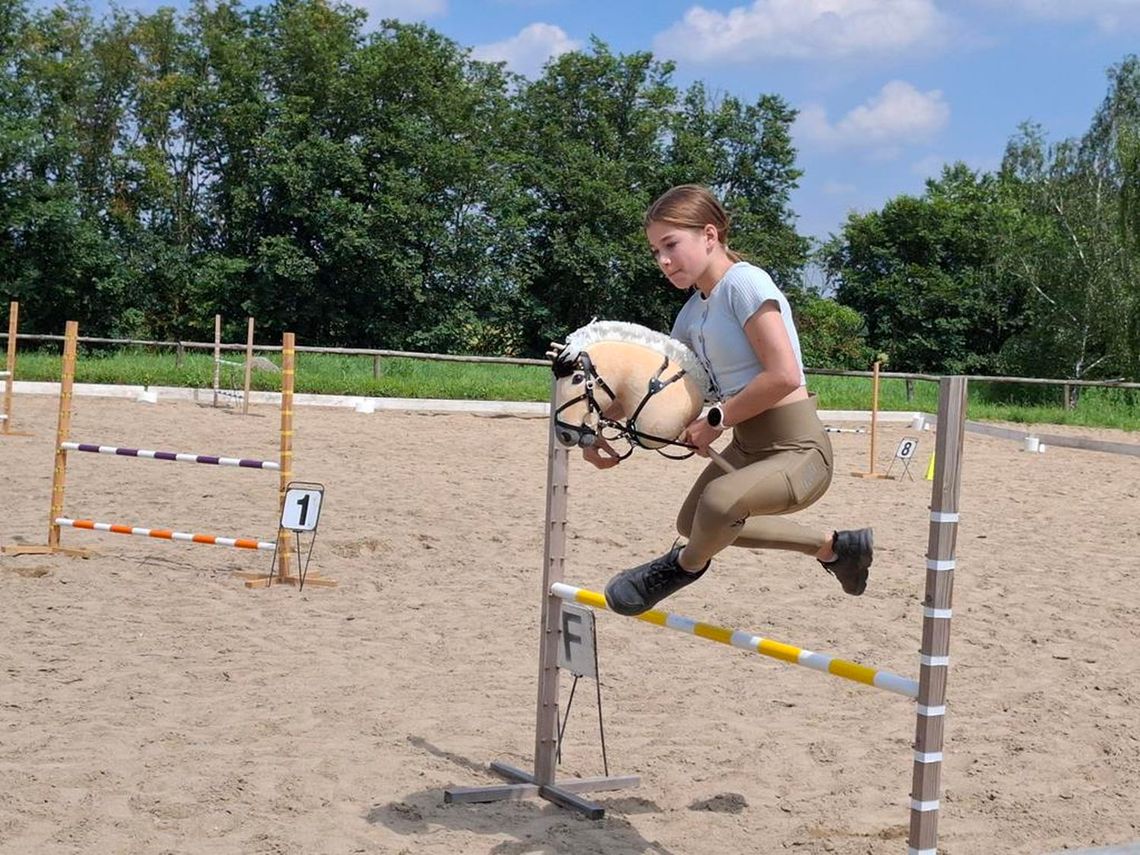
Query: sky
x,y
888,91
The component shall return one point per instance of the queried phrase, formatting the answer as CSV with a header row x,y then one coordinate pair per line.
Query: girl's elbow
x,y
790,380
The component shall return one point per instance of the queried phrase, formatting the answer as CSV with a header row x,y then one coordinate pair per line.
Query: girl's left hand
x,y
701,434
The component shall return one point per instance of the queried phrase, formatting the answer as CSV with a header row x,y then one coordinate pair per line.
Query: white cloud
x,y
898,115
1109,15
405,10
529,50
803,29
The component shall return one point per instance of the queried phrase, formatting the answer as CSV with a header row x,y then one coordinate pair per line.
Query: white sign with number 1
x,y
302,509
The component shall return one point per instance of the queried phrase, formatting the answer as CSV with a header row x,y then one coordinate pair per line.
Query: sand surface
x,y
151,703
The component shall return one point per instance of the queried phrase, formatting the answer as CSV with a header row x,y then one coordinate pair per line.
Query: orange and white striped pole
x,y
167,534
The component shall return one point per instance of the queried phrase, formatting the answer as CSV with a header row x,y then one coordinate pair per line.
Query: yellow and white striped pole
x,y
757,644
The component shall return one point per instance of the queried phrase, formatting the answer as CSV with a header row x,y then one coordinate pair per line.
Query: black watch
x,y
715,418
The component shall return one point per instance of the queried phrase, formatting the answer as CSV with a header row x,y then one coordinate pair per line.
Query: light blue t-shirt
x,y
714,328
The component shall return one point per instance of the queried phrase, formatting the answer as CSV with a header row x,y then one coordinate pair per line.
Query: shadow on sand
x,y
536,826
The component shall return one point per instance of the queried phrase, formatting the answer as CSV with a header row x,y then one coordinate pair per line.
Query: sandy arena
x,y
150,703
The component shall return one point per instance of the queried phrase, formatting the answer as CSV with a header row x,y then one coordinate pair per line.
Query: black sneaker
x,y
854,551
638,590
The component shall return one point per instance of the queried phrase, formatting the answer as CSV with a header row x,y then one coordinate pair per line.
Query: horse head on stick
x,y
617,380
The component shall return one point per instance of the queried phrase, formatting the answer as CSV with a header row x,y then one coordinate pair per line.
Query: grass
x,y
1007,402
418,378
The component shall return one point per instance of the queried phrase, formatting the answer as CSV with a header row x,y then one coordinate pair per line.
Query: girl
x,y
740,326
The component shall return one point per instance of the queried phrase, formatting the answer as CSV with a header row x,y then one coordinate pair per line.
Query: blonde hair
x,y
692,206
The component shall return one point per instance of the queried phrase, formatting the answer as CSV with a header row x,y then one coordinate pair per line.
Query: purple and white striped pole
x,y
170,455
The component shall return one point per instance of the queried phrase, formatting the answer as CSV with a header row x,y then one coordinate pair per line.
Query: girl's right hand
x,y
594,454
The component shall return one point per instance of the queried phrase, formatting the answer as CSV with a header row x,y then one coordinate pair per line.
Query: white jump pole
x,y
9,372
929,690
935,650
248,366
217,355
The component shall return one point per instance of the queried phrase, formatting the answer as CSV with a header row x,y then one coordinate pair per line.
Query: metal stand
x,y
543,782
579,655
300,512
904,454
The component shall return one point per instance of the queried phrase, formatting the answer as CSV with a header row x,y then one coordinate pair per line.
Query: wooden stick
x,y
720,461
217,355
874,412
248,366
871,473
10,365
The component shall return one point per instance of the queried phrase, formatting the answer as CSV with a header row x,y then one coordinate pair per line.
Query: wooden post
x,y
542,783
63,430
288,344
248,366
375,366
553,570
870,473
217,355
179,354
874,412
1067,391
281,572
59,472
935,660
10,365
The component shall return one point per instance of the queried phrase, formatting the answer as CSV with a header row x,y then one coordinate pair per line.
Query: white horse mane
x,y
627,333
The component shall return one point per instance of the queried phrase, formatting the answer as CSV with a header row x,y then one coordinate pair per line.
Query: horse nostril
x,y
565,438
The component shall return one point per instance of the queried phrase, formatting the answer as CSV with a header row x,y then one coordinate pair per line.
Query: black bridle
x,y
611,429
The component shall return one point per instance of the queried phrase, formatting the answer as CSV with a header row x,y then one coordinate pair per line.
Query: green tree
x,y
831,335
745,153
589,135
601,136
65,75
357,187
923,274
361,180
1069,258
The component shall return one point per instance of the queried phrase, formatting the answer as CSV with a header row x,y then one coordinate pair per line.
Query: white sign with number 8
x,y
907,446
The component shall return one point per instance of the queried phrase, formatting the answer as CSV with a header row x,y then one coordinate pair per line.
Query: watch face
x,y
716,416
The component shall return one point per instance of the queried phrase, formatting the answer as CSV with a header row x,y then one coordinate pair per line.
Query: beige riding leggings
x,y
783,463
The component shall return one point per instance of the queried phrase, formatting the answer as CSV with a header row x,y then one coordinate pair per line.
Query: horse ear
x,y
562,360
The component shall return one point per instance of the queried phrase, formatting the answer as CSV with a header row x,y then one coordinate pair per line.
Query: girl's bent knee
x,y
720,503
